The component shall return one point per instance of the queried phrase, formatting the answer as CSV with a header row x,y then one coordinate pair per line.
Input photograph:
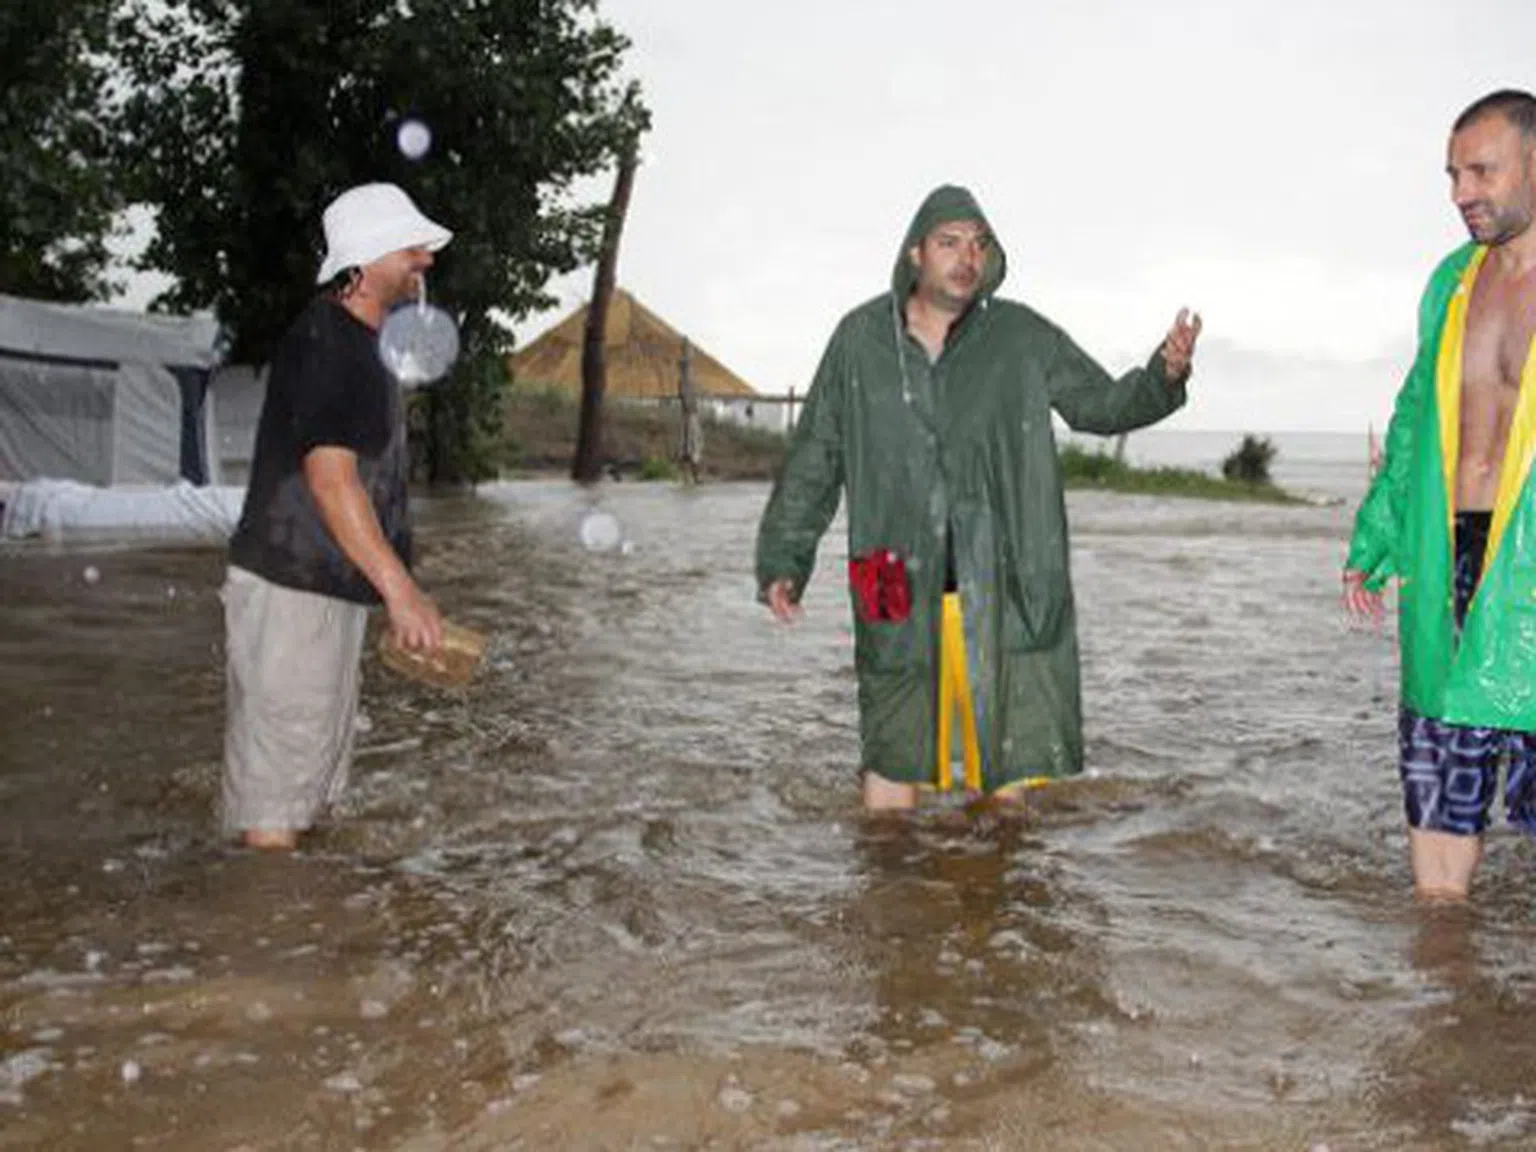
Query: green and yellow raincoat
x,y
1486,676
959,447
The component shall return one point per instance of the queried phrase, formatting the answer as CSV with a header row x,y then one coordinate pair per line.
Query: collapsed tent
x,y
103,396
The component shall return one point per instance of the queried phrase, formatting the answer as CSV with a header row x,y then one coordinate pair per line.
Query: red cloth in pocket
x,y
879,580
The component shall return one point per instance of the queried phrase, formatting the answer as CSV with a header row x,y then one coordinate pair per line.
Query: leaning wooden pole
x,y
586,466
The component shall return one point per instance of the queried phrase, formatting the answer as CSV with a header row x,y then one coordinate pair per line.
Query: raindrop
x,y
91,574
414,139
601,532
419,343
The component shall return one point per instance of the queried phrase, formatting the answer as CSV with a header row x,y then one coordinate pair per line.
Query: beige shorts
x,y
293,676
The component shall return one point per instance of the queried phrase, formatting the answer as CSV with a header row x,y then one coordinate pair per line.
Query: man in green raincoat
x,y
1452,516
932,408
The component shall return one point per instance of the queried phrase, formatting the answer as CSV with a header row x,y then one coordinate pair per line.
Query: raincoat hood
x,y
944,205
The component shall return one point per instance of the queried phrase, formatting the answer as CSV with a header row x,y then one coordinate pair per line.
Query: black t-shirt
x,y
327,387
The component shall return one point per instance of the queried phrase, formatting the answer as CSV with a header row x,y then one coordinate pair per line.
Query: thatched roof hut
x,y
642,356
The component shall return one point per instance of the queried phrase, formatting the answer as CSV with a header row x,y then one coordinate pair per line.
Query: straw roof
x,y
642,356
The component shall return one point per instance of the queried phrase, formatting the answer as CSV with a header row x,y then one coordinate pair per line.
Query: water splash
x,y
414,139
601,532
419,342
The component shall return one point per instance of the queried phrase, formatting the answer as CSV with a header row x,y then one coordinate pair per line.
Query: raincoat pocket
x,y
881,591
882,601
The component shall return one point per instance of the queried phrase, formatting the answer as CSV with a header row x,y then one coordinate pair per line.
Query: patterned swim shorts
x,y
1450,773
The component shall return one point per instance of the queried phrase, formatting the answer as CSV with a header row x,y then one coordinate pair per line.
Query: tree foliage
x,y
1249,462
58,194
247,116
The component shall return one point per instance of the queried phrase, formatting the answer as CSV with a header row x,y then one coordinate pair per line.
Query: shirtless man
x,y
1451,514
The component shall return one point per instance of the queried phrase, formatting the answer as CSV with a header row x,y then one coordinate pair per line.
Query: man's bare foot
x,y
271,839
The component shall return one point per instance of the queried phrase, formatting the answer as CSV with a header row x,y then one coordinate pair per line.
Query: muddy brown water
x,y
618,894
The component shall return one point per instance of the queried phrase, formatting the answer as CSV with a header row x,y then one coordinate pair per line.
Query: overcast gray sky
x,y
1278,165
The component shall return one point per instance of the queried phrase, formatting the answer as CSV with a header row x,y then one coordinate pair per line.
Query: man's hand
x,y
1359,601
1179,345
781,601
414,620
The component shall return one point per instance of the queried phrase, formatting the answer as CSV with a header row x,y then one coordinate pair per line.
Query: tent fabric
x,y
103,396
642,353
236,393
65,511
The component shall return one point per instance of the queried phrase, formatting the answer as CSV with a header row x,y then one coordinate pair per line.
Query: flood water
x,y
619,894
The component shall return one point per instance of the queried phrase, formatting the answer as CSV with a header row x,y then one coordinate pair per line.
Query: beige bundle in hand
x,y
452,666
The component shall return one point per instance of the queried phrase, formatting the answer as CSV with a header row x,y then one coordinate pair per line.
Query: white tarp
x,y
235,394
62,511
94,395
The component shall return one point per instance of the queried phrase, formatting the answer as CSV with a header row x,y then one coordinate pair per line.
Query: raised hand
x,y
1179,345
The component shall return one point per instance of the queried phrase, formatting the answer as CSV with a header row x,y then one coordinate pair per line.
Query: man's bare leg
x,y
271,839
882,795
1443,863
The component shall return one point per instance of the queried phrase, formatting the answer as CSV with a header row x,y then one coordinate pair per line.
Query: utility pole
x,y
586,465
692,452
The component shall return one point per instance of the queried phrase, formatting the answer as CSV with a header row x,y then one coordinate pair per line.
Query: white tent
x,y
235,394
104,397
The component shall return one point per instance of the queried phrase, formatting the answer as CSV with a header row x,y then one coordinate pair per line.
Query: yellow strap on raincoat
x,y
1520,449
955,692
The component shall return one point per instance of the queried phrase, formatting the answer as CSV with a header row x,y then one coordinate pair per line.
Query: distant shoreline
x,y
640,443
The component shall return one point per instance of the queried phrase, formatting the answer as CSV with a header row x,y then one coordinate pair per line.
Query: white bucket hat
x,y
373,220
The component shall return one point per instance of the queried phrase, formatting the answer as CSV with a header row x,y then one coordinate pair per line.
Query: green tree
x,y
247,116
1249,462
58,198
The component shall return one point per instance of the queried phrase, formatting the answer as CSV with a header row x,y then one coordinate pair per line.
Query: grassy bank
x,y
1084,469
641,442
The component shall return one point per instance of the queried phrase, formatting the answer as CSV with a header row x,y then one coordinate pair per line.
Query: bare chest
x,y
1501,324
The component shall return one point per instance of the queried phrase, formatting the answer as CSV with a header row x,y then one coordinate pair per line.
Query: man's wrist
x,y
395,585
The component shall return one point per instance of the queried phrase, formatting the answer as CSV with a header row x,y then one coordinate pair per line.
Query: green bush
x,y
658,468
1084,467
1249,463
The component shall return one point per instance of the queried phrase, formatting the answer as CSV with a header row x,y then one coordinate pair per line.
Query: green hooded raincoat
x,y
1486,676
963,443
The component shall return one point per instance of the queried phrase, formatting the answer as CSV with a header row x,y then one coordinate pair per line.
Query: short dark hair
x,y
1516,106
343,284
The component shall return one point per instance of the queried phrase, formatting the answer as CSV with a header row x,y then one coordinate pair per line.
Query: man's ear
x,y
915,254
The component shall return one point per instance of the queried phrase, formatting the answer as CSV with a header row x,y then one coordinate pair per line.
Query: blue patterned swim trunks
x,y
1450,772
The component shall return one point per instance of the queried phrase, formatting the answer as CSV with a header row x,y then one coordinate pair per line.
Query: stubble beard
x,y
943,299
1503,225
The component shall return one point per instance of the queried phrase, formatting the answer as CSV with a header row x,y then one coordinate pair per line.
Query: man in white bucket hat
x,y
324,533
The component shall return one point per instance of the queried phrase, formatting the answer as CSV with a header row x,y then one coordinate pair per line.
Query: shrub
x,y
658,468
1249,463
